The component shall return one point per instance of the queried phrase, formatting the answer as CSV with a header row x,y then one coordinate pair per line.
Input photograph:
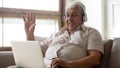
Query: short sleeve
x,y
95,41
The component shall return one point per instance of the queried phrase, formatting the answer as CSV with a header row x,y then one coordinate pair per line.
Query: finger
x,y
24,17
56,62
31,27
59,62
30,16
33,18
53,64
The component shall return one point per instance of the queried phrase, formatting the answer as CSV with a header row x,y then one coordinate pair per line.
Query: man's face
x,y
73,18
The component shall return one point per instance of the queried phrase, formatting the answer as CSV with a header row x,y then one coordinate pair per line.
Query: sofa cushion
x,y
6,59
115,54
105,57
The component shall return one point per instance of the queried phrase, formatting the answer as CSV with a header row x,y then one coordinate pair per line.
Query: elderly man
x,y
75,45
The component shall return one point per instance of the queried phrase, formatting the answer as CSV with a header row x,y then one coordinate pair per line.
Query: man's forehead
x,y
72,10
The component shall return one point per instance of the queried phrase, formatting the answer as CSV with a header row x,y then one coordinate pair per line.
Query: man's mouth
x,y
70,23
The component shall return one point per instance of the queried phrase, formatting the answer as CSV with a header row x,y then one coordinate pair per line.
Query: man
x,y
75,45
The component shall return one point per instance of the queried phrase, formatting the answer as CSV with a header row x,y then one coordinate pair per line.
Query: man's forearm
x,y
30,37
81,63
87,62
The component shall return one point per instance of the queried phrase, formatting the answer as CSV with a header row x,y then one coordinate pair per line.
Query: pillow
x,y
37,38
44,48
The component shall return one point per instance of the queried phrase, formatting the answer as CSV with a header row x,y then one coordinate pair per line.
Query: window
x,y
14,30
50,24
94,13
113,14
30,4
48,18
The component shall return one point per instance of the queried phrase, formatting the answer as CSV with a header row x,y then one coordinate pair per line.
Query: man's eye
x,y
66,15
74,15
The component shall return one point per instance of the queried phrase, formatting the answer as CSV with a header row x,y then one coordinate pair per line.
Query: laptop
x,y
28,54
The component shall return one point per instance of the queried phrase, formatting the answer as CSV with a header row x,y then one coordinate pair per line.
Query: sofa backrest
x,y
115,54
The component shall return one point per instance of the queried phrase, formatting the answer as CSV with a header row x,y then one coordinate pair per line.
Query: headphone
x,y
84,17
82,7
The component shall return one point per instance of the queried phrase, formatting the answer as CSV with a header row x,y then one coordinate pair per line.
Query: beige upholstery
x,y
6,59
115,54
106,56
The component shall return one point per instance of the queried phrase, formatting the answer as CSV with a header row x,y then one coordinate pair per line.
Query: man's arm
x,y
29,24
91,60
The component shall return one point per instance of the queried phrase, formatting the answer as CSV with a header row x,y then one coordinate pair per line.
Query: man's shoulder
x,y
89,29
92,31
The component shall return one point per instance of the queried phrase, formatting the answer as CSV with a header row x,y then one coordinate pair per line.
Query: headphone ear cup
x,y
84,19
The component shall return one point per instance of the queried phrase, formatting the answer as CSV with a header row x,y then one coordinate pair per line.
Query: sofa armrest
x,y
5,49
106,56
115,54
6,59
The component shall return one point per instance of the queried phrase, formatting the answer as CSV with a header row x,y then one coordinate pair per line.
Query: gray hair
x,y
74,4
81,7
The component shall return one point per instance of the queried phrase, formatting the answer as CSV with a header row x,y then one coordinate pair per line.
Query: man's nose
x,y
69,18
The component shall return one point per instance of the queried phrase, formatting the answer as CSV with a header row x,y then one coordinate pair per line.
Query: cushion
x,y
106,55
115,54
38,38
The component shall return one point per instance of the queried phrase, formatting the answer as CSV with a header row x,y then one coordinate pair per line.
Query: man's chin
x,y
70,29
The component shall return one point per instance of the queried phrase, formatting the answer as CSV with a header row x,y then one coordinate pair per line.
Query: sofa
x,y
6,57
110,59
